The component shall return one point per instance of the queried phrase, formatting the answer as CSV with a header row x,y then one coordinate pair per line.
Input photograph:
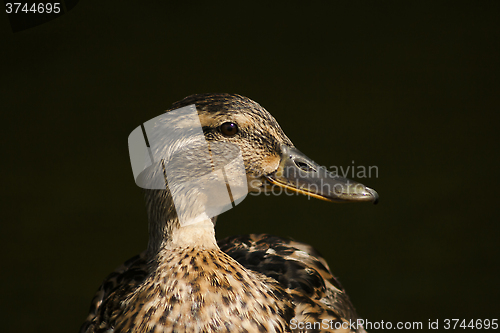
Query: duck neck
x,y
198,235
167,234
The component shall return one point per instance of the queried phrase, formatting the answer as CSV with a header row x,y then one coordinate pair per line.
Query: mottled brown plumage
x,y
186,282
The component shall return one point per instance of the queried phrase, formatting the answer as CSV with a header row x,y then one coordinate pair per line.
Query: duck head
x,y
269,158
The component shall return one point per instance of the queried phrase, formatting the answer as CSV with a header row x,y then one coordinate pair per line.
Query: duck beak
x,y
299,173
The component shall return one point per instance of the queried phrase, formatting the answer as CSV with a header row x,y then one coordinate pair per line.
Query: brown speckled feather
x,y
300,269
192,291
288,270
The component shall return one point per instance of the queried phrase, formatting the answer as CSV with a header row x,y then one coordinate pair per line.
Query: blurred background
x,y
410,87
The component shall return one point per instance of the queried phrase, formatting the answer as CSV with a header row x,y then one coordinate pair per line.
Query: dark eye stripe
x,y
207,129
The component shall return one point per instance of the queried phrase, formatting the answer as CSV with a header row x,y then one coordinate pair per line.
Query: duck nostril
x,y
304,166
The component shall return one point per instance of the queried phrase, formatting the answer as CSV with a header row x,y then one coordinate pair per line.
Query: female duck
x,y
187,282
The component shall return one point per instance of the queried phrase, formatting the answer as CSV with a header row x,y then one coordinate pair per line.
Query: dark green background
x,y
409,86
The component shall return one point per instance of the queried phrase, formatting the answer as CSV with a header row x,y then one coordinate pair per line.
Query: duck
x,y
187,281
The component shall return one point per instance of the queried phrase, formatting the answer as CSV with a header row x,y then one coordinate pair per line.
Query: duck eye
x,y
229,129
